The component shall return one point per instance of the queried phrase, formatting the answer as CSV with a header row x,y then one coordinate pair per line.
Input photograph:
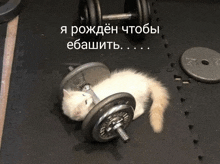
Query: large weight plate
x,y
121,115
90,15
101,109
144,12
89,73
9,10
139,7
202,64
90,12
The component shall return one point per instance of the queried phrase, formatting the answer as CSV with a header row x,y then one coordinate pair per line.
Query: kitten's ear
x,y
66,93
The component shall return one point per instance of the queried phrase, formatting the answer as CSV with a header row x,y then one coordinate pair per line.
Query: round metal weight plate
x,y
104,129
101,112
90,15
89,73
202,64
139,7
91,12
10,10
98,13
144,15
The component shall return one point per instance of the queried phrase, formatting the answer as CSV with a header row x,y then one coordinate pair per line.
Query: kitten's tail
x,y
160,98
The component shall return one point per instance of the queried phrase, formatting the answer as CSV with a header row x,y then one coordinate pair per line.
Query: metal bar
x,y
122,134
88,89
123,16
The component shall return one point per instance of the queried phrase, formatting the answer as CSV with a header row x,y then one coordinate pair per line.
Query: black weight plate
x,y
10,10
90,15
101,108
142,10
92,7
146,12
202,64
98,13
104,131
89,73
84,16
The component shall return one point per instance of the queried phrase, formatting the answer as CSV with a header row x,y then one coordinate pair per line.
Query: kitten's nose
x,y
78,118
77,113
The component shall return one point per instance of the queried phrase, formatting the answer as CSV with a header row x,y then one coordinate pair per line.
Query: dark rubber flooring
x,y
35,129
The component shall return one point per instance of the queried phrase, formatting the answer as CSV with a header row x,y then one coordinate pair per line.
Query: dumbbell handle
x,y
123,16
122,134
88,89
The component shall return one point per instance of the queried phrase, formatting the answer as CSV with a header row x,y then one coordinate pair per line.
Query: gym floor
x,y
34,130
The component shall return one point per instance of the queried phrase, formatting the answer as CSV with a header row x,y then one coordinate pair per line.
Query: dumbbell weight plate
x,y
105,130
141,8
89,73
92,123
89,10
90,15
9,10
202,64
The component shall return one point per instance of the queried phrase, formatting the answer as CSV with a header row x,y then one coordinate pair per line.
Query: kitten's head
x,y
76,104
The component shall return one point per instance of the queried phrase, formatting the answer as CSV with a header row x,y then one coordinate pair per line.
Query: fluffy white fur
x,y
77,104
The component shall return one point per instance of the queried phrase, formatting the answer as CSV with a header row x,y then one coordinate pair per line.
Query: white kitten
x,y
77,104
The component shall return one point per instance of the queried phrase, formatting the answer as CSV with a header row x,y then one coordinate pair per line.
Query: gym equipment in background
x,y
137,13
202,64
9,9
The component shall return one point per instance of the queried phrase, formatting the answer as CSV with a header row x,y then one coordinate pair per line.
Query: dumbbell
x,y
10,9
137,13
110,116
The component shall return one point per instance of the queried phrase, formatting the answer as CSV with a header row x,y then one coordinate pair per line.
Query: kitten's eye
x,y
86,102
